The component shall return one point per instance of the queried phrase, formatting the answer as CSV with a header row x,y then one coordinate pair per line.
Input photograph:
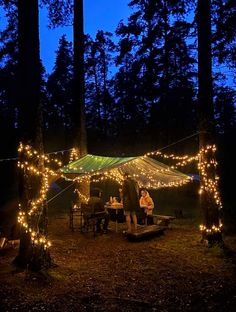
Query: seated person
x,y
97,206
147,203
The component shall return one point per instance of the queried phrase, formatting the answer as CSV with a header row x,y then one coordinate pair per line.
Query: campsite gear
x,y
148,172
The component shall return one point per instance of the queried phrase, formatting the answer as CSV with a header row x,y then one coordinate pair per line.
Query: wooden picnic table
x,y
116,207
160,220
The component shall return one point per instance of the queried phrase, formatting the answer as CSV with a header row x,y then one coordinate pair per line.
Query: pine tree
x,y
32,253
59,93
209,206
8,83
99,57
156,39
224,35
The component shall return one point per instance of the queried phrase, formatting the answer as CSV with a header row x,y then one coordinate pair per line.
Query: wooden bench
x,y
162,220
145,231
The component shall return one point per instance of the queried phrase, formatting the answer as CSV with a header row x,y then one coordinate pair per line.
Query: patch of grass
x,y
186,223
215,251
57,275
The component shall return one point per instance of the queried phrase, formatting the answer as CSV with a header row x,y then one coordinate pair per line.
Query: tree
x,y
60,13
208,182
79,124
155,36
78,108
99,57
225,115
32,252
8,68
225,111
57,109
8,101
224,17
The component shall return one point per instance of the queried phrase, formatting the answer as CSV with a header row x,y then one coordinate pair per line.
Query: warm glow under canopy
x,y
148,172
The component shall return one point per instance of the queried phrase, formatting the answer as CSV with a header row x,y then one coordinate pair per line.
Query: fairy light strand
x,y
210,184
31,156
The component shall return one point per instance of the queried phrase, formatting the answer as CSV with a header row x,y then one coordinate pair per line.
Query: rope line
x,y
56,152
174,143
181,140
48,201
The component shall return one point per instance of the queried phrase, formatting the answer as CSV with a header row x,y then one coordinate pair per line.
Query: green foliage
x,y
57,109
98,60
224,36
154,85
59,12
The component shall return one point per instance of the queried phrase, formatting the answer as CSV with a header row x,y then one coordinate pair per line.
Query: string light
x,y
210,182
212,230
74,154
33,156
207,167
146,173
83,197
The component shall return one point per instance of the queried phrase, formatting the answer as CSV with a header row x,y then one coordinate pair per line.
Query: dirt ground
x,y
170,272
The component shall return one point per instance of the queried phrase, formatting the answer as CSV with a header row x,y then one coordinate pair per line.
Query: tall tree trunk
x,y
166,75
97,91
79,132
105,93
29,126
80,136
209,206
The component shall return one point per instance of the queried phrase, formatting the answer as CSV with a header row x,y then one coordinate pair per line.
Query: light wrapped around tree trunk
x,y
210,197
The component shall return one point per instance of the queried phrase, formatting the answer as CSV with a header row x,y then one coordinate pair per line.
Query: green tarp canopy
x,y
148,172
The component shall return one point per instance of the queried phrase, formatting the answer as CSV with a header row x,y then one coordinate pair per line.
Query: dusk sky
x,y
98,15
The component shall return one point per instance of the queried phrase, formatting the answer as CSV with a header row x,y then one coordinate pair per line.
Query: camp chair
x,y
75,214
90,218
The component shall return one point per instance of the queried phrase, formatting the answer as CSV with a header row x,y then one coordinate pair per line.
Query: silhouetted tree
x,y
8,83
224,35
78,113
206,120
59,94
155,38
32,256
99,57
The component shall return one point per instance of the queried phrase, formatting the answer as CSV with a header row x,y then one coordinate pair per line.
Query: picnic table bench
x,y
162,220
161,223
145,231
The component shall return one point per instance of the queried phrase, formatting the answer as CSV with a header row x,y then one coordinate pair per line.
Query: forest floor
x,y
170,272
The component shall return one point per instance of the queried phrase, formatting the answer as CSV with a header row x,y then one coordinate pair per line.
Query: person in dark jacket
x,y
97,207
130,190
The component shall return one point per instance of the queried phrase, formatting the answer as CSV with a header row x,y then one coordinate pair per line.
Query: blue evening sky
x,y
98,15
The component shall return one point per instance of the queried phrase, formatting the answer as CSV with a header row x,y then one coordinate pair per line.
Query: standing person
x,y
76,198
148,205
130,192
97,206
121,195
